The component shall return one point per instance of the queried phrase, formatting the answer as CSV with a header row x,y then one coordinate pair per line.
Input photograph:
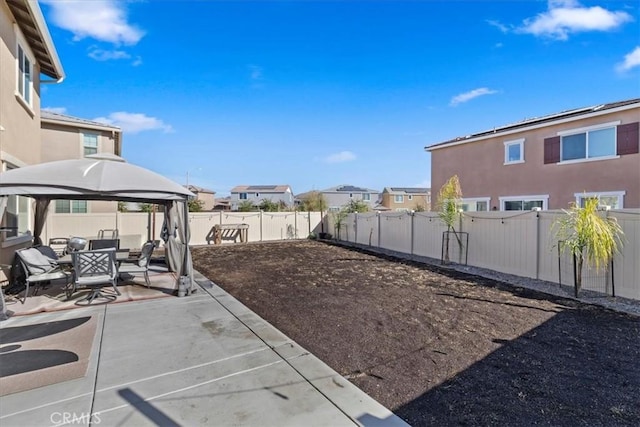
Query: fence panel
x,y
367,229
395,231
133,228
278,226
254,219
201,227
80,225
508,243
427,234
627,264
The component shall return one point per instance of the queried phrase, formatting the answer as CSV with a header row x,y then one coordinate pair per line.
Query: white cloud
x,y
631,60
134,122
468,96
107,55
565,17
104,20
58,110
343,156
503,28
136,62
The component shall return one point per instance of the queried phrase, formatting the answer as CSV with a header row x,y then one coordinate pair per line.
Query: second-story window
x,y
25,76
242,196
514,151
588,144
366,197
398,198
90,143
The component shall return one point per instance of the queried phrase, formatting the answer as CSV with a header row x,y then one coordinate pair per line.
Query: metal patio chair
x,y
141,265
95,269
39,268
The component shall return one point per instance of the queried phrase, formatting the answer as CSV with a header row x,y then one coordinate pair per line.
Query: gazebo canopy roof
x,y
94,177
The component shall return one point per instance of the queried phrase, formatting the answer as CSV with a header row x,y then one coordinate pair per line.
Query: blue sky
x,y
321,93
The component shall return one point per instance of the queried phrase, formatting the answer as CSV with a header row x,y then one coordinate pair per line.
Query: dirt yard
x,y
439,347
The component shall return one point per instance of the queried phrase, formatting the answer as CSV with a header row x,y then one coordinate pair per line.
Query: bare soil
x,y
436,346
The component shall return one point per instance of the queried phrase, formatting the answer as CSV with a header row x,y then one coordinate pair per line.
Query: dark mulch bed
x,y
438,346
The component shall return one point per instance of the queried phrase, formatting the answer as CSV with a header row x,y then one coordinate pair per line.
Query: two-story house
x,y
257,193
66,137
406,198
339,196
205,196
548,162
28,58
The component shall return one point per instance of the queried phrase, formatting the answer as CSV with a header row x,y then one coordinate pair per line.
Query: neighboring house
x,y
207,197
406,198
257,193
27,58
66,137
222,204
339,196
548,162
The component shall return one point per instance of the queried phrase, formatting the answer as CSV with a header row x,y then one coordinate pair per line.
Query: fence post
x,y
295,225
355,228
412,213
379,230
537,219
261,213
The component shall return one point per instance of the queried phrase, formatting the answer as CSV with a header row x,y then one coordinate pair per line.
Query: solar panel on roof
x,y
262,187
350,188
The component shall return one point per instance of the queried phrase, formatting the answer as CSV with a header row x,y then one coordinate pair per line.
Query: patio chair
x,y
95,269
108,234
59,245
141,265
104,244
39,268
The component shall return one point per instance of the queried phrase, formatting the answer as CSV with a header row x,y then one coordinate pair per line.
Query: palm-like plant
x,y
587,236
449,203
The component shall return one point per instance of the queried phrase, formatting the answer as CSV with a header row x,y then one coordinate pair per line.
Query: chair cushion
x,y
127,267
36,262
100,279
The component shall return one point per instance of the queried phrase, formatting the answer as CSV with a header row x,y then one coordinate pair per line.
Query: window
x,y
475,205
25,75
514,151
613,199
398,198
366,197
16,216
588,143
257,195
90,143
71,206
410,197
523,203
242,196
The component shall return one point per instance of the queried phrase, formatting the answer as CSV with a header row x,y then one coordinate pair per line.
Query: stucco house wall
x,y
480,165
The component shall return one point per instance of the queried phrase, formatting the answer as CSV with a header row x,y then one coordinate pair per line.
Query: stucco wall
x,y
21,123
482,172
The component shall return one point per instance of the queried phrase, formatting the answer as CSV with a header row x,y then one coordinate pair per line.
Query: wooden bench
x,y
230,231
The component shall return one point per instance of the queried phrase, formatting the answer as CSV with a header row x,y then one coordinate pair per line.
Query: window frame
x,y
24,93
398,198
83,136
476,200
515,142
16,202
599,194
528,198
71,209
366,197
586,130
242,196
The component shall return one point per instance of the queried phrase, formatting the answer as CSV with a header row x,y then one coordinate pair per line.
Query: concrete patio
x,y
200,360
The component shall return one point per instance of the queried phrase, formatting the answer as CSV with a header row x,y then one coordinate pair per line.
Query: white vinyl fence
x,y
519,243
135,228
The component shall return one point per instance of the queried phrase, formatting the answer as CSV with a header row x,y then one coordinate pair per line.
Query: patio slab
x,y
201,360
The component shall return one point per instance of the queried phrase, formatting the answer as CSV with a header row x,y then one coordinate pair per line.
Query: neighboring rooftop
x,y
50,116
261,188
196,189
348,189
408,190
538,121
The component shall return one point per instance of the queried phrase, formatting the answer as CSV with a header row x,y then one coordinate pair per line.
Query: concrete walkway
x,y
200,360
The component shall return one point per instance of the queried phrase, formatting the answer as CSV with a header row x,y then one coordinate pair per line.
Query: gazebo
x,y
107,177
